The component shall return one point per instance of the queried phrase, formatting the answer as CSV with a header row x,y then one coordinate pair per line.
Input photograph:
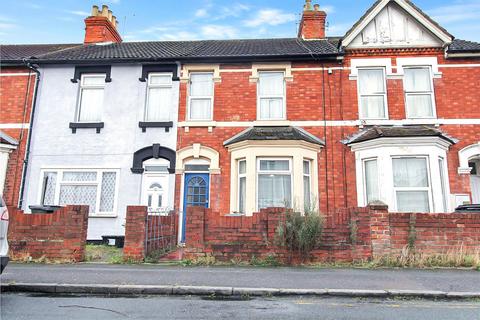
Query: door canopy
x,y
153,152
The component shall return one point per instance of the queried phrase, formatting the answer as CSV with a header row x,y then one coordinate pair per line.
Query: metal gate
x,y
161,233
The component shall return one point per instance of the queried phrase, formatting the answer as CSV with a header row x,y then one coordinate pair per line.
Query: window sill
x,y
106,215
154,124
279,122
86,125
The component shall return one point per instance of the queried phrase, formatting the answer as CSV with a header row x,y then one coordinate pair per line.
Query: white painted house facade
x,y
105,136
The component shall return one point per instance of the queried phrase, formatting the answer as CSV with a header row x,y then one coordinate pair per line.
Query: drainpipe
x,y
30,130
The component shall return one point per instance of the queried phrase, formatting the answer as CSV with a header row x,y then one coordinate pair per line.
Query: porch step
x,y
176,255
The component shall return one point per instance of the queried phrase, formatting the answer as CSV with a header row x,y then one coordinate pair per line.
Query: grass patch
x,y
103,253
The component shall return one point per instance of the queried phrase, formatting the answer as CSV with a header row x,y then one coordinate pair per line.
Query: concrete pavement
x,y
227,281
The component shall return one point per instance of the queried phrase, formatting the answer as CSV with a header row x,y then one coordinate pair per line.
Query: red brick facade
x,y
17,86
316,95
58,236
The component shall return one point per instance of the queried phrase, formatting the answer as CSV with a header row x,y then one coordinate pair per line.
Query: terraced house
x,y
389,111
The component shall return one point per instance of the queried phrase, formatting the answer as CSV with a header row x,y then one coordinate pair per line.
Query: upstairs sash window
x,y
418,92
372,93
90,102
159,97
271,95
201,96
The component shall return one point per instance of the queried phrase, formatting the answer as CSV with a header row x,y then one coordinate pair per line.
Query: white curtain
x,y
159,100
271,92
410,172
371,180
412,201
201,84
91,102
50,182
372,90
242,189
200,109
201,91
475,184
419,97
274,190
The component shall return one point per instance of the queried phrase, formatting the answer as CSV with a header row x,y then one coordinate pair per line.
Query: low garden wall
x,y
348,234
59,236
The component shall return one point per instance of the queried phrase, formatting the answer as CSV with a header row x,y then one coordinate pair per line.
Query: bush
x,y
300,233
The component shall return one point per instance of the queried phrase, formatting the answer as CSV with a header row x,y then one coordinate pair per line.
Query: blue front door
x,y
196,193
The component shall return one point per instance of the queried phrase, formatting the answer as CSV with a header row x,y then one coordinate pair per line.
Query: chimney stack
x,y
101,26
312,26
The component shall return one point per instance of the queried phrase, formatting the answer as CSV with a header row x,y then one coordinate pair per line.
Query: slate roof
x,y
376,132
13,53
459,46
196,50
274,133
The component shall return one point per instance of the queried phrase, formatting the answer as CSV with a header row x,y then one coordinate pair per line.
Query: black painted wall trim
x,y
144,125
91,125
153,152
147,68
92,69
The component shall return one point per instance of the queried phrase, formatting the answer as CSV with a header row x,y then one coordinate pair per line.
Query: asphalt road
x,y
26,307
295,278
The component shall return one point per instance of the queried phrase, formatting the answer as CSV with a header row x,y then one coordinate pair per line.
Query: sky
x,y
61,21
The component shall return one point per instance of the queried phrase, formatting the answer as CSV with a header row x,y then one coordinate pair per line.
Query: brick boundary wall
x,y
162,233
349,234
59,236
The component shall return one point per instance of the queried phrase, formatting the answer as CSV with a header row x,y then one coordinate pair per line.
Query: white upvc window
x,y
242,185
271,95
370,178
372,93
411,184
159,97
419,95
90,98
307,185
200,99
274,181
92,187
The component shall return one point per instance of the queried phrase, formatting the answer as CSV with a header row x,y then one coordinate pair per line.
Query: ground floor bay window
x,y
409,174
96,188
273,173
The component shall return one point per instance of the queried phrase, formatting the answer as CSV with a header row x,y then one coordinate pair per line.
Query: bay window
x,y
201,96
372,93
271,95
411,184
95,188
90,100
274,183
419,97
159,97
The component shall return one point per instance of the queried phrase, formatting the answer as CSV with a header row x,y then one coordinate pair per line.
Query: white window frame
x,y
413,93
211,98
407,189
385,96
240,176
98,183
283,97
309,176
279,172
364,175
83,87
150,86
